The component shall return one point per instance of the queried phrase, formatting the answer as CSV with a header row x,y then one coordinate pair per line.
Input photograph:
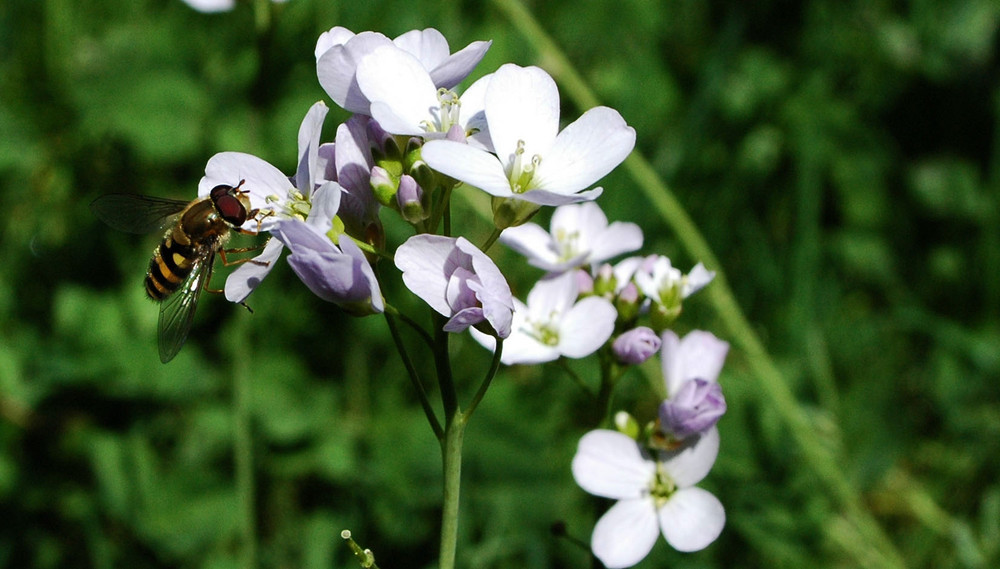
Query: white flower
x,y
664,284
533,161
554,324
339,52
655,495
211,6
579,235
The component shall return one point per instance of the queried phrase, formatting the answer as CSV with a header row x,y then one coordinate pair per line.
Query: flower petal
x,y
400,90
428,46
522,104
242,281
468,164
690,464
699,355
586,326
585,151
457,66
625,534
422,259
620,237
533,242
612,465
337,67
309,133
692,519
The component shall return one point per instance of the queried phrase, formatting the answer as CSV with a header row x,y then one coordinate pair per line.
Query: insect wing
x,y
134,213
177,310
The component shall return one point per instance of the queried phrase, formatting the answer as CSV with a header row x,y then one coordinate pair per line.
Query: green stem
x,y
451,455
772,385
494,366
411,371
491,239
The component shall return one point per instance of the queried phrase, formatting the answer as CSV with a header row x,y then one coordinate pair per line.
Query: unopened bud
x,y
695,408
636,345
410,199
383,185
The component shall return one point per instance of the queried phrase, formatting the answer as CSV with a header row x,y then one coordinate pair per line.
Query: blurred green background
x,y
840,156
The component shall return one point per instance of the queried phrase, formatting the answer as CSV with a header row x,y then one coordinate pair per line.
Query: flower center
x,y
568,243
545,332
295,205
447,113
661,487
522,171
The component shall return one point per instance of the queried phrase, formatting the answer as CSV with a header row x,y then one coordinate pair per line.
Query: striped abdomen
x,y
171,264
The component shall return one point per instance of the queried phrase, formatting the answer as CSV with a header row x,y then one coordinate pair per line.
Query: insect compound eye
x,y
228,204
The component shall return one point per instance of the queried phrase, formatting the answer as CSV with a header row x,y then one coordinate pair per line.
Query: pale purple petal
x,y
336,35
400,90
468,164
544,197
423,260
325,204
242,281
697,406
309,133
636,346
699,355
337,66
692,519
626,533
689,464
428,46
473,114
586,326
522,104
457,67
585,151
494,293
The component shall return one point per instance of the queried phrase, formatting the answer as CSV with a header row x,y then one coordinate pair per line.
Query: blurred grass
x,y
840,158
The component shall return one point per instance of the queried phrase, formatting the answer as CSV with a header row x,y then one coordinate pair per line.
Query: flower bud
x,y
605,283
626,424
511,212
383,185
695,408
410,199
636,345
628,302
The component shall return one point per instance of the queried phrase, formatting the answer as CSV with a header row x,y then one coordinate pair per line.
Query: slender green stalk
x,y
243,442
494,366
411,371
817,453
491,239
451,457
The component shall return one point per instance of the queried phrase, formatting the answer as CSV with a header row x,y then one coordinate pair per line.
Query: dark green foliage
x,y
841,158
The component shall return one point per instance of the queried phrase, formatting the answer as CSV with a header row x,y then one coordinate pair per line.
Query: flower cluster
x,y
414,139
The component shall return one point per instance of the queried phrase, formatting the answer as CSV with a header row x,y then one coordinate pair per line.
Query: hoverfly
x,y
182,263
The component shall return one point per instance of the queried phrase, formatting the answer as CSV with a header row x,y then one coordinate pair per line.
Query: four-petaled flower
x,y
690,373
579,235
533,161
656,495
